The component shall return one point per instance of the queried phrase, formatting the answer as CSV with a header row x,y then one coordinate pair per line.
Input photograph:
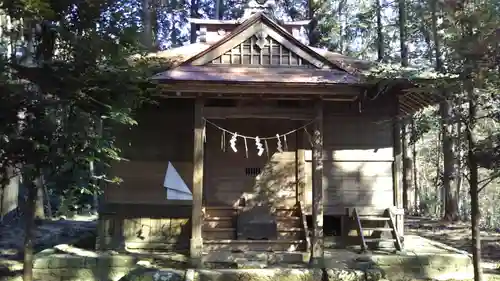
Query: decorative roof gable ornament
x,y
254,6
261,39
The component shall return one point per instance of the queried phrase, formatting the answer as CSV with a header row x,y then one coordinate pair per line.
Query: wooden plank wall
x,y
357,162
9,195
164,134
357,168
150,229
225,177
143,181
135,214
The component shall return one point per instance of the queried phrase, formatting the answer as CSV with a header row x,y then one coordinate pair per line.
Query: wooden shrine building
x,y
260,143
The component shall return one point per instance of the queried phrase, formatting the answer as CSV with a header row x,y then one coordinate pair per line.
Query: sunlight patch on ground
x,y
65,248
78,217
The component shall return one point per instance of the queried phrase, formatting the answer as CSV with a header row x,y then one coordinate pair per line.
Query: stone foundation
x,y
433,262
108,267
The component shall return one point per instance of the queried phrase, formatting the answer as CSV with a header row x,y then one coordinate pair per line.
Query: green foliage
x,y
424,123
52,110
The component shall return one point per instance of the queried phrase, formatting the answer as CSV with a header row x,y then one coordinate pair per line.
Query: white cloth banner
x,y
175,186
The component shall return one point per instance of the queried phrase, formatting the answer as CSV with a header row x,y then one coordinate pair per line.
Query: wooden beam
x,y
333,92
181,209
214,112
317,251
240,96
397,168
196,245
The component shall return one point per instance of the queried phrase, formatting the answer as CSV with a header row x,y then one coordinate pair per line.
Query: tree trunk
x,y
475,217
9,191
219,9
437,190
415,172
403,36
39,205
48,205
94,181
474,188
312,35
404,63
450,201
380,33
96,170
147,33
29,217
458,163
340,13
174,32
194,14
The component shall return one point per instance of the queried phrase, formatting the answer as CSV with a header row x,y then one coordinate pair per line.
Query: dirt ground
x,y
48,233
458,235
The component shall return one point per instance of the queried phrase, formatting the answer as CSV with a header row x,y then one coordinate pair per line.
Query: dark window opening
x,y
332,225
252,171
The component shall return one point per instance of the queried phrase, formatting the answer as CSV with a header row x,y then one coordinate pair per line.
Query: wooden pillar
x,y
397,169
196,244
317,188
300,174
298,191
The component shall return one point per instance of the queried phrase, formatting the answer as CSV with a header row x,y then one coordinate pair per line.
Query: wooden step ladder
x,y
388,219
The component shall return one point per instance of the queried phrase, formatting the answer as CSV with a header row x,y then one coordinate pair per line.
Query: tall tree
x,y
473,171
87,76
449,200
476,43
403,39
147,24
380,32
194,14
219,9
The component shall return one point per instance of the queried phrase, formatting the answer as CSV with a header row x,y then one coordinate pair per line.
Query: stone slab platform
x,y
422,260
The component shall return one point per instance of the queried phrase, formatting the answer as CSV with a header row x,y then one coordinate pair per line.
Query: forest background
x,y
52,91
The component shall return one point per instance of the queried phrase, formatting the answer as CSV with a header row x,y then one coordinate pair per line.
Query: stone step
x,y
218,212
381,240
291,234
229,212
219,233
254,245
218,222
374,218
286,212
229,223
230,233
288,222
248,257
377,228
